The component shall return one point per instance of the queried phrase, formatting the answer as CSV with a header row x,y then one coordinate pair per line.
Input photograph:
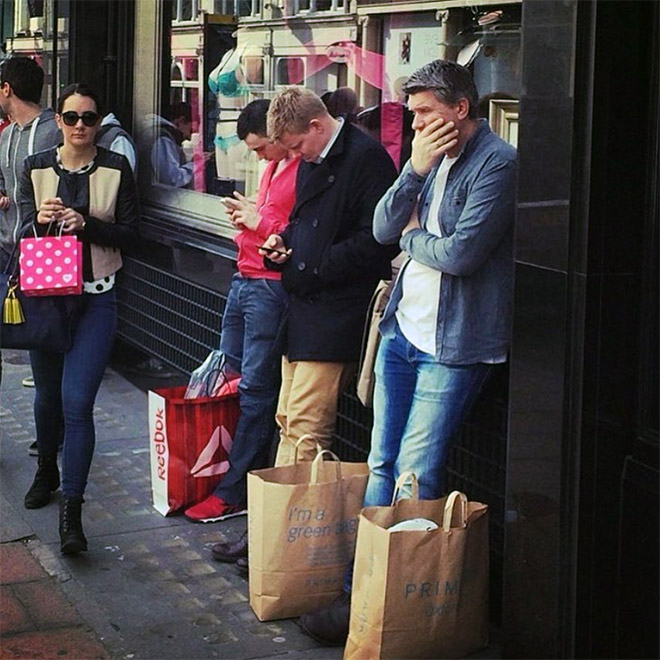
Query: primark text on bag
x,y
420,594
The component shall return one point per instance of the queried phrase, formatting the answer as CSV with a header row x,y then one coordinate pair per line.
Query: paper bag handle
x,y
299,441
403,479
314,476
449,509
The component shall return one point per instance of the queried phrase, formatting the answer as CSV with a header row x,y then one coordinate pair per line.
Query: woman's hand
x,y
71,221
49,210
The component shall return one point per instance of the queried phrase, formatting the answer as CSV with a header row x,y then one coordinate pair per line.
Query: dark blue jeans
x,y
66,385
252,342
419,407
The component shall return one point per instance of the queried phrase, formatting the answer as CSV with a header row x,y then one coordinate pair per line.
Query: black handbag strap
x,y
12,255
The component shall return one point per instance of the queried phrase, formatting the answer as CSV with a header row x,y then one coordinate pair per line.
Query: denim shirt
x,y
474,253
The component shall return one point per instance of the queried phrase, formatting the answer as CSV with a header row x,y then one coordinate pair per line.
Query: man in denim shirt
x,y
448,320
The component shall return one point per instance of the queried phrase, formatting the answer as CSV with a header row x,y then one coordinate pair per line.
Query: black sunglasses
x,y
88,117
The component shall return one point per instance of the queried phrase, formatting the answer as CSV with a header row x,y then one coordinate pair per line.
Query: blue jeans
x,y
252,335
419,407
66,385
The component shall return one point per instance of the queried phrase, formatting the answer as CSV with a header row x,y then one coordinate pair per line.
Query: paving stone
x,y
17,564
46,604
75,643
13,615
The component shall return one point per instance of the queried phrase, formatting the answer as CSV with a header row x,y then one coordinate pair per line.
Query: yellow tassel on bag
x,y
12,312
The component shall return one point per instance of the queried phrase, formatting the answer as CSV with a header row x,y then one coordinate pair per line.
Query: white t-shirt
x,y
417,311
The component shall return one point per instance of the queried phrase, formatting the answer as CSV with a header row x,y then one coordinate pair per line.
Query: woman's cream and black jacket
x,y
105,195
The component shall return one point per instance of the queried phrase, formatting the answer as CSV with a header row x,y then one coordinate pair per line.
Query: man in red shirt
x,y
252,323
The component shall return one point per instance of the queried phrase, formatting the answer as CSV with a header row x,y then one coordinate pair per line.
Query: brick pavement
x,y
148,587
36,619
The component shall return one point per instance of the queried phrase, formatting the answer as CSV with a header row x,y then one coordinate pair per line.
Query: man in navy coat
x,y
330,263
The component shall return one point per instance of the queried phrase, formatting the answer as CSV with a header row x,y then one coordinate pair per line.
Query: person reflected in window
x,y
113,137
343,102
168,158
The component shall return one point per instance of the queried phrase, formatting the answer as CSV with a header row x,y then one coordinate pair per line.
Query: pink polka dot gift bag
x,y
51,266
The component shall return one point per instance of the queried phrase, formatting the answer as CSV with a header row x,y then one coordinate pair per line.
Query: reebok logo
x,y
203,466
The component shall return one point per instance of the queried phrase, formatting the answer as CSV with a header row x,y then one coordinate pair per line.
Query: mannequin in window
x,y
231,83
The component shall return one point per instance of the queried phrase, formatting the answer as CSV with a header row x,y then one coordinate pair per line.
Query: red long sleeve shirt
x,y
277,194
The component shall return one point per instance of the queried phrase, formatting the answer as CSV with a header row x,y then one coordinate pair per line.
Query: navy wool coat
x,y
336,261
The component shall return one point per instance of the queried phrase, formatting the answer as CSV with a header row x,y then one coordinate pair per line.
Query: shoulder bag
x,y
43,323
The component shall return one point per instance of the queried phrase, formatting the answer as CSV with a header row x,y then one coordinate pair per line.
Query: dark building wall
x,y
535,529
101,52
584,222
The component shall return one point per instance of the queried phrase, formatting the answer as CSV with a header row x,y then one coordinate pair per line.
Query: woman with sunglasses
x,y
90,192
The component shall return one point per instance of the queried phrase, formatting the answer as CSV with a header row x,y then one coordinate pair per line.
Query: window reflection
x,y
220,62
289,71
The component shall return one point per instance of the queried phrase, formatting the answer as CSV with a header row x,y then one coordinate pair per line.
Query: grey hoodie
x,y
15,144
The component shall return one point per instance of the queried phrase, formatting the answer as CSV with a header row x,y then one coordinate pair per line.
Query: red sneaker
x,y
211,509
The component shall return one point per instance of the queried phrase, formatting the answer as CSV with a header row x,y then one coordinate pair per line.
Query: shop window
x,y
317,5
236,7
191,142
289,71
190,154
185,10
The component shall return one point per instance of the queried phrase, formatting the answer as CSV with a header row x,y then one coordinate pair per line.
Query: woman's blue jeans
x,y
419,407
66,385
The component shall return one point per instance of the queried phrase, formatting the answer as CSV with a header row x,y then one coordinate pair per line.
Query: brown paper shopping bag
x,y
420,594
302,526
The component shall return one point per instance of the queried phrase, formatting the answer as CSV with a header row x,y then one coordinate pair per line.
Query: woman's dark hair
x,y
83,90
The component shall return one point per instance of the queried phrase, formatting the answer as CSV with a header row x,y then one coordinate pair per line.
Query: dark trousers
x,y
66,385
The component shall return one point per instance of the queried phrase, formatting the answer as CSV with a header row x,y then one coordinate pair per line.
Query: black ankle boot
x,y
72,539
45,482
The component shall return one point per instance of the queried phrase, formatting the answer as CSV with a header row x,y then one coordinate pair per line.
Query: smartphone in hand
x,y
270,249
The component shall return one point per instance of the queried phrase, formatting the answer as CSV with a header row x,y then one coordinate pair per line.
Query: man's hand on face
x,y
434,140
4,202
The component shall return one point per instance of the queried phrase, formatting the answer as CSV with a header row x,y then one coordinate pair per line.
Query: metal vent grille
x,y
171,318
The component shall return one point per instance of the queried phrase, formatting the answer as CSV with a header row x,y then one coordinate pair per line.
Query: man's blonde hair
x,y
292,110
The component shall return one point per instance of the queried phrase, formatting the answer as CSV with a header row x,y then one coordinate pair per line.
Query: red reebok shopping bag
x,y
190,440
